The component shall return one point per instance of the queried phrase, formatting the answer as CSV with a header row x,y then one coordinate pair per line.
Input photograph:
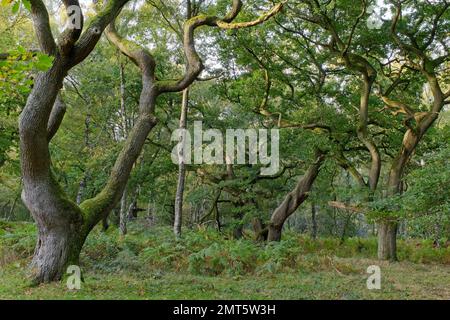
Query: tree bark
x,y
123,214
387,240
294,199
81,188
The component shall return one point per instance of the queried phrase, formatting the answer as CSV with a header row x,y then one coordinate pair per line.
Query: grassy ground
x,y
149,264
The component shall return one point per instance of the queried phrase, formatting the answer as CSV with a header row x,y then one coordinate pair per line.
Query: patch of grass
x,y
399,281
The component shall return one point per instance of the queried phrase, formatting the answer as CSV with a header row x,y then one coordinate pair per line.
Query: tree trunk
x,y
314,221
105,224
181,169
238,232
218,223
293,200
260,229
387,240
387,228
57,247
81,188
123,213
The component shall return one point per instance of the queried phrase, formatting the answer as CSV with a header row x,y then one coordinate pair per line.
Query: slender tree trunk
x,y
13,207
123,213
105,223
181,168
83,183
314,221
293,200
81,188
218,223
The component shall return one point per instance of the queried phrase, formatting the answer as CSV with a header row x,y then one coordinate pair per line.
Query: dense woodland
x,y
359,91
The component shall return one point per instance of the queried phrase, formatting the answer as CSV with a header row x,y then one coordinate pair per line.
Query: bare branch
x,y
194,65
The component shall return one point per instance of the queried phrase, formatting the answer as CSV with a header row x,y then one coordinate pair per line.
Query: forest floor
x,y
149,264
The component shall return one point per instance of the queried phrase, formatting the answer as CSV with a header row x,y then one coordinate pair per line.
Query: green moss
x,y
91,208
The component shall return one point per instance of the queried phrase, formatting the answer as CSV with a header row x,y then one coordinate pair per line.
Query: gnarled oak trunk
x,y
293,200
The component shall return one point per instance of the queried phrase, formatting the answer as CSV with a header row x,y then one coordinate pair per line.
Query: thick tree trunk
x,y
387,230
181,169
61,231
62,225
293,200
57,247
387,240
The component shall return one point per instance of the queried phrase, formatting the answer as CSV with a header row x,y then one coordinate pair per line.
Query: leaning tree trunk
x,y
293,200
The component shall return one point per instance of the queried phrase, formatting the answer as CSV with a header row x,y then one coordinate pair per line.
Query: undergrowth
x,y
154,251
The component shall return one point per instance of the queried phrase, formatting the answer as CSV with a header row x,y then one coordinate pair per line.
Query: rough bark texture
x,y
293,200
123,213
387,240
